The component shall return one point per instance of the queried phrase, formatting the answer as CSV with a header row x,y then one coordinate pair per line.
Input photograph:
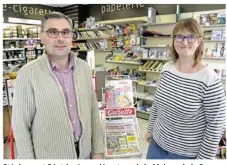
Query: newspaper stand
x,y
119,122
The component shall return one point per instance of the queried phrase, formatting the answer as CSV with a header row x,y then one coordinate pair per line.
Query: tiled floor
x,y
142,142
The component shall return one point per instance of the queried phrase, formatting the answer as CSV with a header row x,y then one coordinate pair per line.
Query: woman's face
x,y
186,43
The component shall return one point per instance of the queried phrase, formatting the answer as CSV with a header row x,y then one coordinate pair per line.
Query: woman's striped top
x,y
188,112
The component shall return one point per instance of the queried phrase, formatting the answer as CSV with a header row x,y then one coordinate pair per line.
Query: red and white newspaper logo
x,y
116,112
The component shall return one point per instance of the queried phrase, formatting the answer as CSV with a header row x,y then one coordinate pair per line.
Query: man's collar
x,y
71,62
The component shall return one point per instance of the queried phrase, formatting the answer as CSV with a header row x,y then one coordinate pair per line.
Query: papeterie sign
x,y
103,12
119,7
27,11
117,11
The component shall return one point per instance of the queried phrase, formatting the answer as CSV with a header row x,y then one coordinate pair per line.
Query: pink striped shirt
x,y
67,83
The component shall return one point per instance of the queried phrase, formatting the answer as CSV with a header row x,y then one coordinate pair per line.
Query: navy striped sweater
x,y
188,112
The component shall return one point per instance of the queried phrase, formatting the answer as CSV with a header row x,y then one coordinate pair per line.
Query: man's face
x,y
57,45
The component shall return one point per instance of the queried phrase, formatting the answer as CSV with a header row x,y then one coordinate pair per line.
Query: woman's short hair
x,y
191,25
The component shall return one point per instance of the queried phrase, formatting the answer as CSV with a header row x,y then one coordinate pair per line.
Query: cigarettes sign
x,y
27,11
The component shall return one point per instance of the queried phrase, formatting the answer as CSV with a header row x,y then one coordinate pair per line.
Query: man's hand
x,y
148,136
98,156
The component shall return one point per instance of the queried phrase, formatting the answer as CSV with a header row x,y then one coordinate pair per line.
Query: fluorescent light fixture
x,y
24,21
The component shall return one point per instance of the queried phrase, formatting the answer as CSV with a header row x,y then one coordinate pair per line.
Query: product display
x,y
131,73
89,35
155,53
129,57
208,19
219,52
153,66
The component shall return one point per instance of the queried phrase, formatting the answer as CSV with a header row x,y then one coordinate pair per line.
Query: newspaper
x,y
119,93
121,138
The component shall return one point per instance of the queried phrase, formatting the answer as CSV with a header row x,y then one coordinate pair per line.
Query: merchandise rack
x,y
126,150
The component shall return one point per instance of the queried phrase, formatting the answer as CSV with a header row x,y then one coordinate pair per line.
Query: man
x,y
55,111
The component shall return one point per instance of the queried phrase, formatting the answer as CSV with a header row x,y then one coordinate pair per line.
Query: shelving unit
x,y
147,85
93,40
118,46
123,62
142,114
156,37
214,40
8,60
16,39
135,81
96,29
135,20
95,50
83,39
214,58
214,26
148,71
13,49
144,98
154,46
155,59
159,24
140,111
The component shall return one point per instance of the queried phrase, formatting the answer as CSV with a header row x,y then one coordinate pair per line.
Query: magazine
x,y
208,19
121,138
203,19
5,97
216,35
220,49
119,94
221,18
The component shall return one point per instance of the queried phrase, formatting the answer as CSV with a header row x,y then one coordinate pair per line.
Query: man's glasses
x,y
54,33
190,38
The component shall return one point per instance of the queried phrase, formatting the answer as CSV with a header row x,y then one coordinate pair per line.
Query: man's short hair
x,y
56,15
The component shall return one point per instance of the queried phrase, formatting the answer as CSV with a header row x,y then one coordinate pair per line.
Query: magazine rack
x,y
120,123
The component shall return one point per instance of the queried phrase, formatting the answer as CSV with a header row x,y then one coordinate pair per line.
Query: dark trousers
x,y
77,149
156,152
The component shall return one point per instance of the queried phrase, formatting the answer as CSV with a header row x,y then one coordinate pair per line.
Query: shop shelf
x,y
123,62
214,58
83,29
17,59
155,46
213,26
108,50
155,59
156,37
82,39
16,39
13,49
159,24
148,71
214,40
140,111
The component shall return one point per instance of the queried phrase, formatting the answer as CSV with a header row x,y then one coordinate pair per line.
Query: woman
x,y
188,112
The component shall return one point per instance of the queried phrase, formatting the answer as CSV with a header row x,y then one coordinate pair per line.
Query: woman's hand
x,y
148,136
